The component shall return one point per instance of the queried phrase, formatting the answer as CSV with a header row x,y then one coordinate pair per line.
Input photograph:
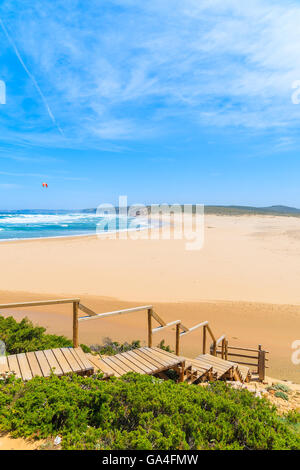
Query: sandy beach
x,y
244,281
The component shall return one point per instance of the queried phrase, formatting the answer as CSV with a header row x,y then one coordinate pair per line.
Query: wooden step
x,y
59,361
221,369
226,369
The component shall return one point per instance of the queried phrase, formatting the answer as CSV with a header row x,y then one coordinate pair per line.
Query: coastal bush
x,y
110,348
282,395
141,412
281,388
162,345
20,337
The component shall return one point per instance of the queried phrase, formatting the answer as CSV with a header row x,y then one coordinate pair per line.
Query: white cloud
x,y
117,74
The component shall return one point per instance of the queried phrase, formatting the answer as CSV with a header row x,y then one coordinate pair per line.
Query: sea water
x,y
15,225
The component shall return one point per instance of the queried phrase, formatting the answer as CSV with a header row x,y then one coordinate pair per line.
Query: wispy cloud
x,y
56,176
128,69
32,78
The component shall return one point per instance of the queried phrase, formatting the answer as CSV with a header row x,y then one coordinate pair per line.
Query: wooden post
x,y
214,349
182,370
204,341
75,324
177,339
261,364
226,349
223,348
150,328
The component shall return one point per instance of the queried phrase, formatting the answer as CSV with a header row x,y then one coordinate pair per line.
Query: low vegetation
x,y
134,411
142,412
110,348
20,337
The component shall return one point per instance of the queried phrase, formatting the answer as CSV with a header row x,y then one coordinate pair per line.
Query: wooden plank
x,y
156,360
190,330
184,328
34,365
239,355
64,365
24,367
219,365
142,361
4,367
82,356
215,360
177,341
156,365
244,349
210,332
75,366
117,360
220,339
38,303
204,340
100,365
14,365
167,353
149,315
108,365
163,357
53,363
161,328
202,366
86,310
135,360
247,363
72,351
220,368
157,318
116,367
133,367
75,325
116,312
43,363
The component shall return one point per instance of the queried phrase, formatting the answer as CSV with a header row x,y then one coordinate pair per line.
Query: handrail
x,y
259,359
193,328
38,303
206,327
160,328
220,339
91,315
94,315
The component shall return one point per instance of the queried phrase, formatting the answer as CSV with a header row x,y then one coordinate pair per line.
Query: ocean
x,y
17,225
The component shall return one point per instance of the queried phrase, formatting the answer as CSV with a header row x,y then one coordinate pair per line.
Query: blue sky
x,y
165,101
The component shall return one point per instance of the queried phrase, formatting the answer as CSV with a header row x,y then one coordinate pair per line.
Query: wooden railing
x,y
257,360
181,330
40,303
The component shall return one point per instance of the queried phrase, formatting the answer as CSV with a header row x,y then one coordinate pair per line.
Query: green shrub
x,y
162,345
141,412
110,348
281,395
279,387
20,337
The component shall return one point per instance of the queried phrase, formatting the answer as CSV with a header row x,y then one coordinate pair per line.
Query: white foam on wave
x,y
36,219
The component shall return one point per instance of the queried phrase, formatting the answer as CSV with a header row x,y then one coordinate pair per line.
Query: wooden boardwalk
x,y
60,361
150,361
145,360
